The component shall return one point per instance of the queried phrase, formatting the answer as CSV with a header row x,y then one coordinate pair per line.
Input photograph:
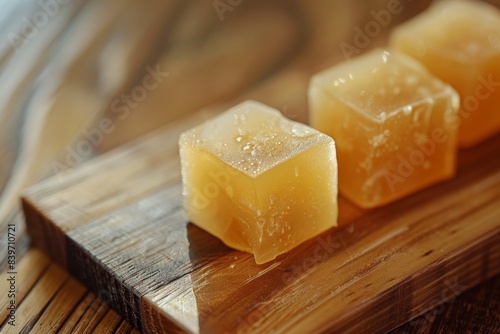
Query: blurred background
x,y
81,77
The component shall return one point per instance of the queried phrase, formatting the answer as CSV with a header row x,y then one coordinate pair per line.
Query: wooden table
x,y
80,77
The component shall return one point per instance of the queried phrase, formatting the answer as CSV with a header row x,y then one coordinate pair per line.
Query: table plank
x,y
61,306
31,268
160,272
29,311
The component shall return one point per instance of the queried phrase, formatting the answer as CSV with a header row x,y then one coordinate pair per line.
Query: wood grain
x,y
30,271
459,314
65,79
162,273
29,311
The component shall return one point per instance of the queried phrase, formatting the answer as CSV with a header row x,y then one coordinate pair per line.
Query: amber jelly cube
x,y
393,124
459,42
258,181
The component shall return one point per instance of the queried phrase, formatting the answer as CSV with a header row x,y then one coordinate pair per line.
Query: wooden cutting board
x,y
117,224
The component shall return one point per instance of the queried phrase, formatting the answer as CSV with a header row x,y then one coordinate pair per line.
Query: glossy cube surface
x,y
258,181
393,124
459,42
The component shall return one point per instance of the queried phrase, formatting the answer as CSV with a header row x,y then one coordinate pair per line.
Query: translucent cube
x,y
459,41
393,124
258,181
